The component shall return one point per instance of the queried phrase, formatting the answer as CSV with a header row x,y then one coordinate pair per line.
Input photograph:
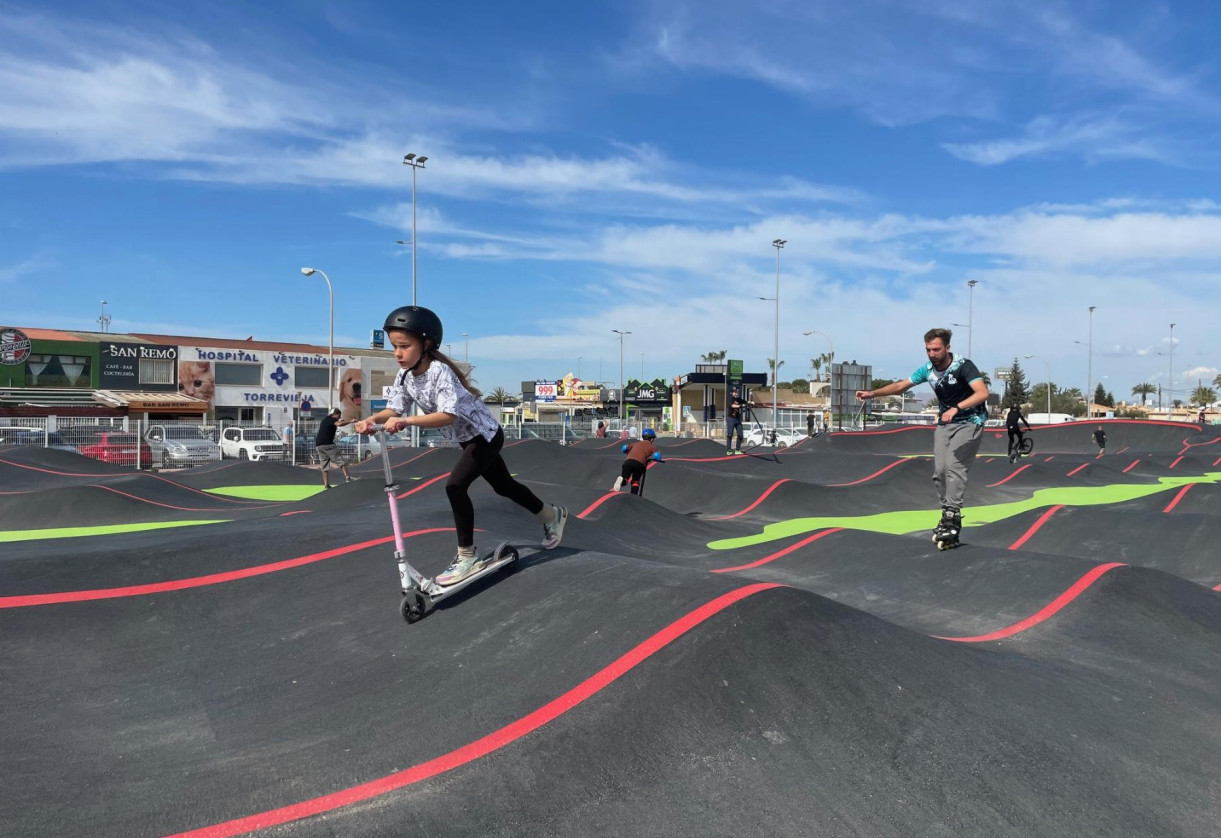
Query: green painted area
x,y
272,493
80,532
913,520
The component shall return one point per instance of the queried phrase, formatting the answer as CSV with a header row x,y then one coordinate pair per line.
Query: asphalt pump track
x,y
766,643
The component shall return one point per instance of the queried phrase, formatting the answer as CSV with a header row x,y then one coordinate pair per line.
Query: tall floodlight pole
x,y
1089,370
104,319
971,283
1170,378
779,245
622,399
466,352
330,373
415,163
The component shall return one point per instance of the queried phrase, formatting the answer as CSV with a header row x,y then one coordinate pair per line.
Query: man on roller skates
x,y
961,395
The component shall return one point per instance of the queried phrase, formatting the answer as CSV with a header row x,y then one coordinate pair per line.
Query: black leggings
x,y
1014,433
633,473
481,458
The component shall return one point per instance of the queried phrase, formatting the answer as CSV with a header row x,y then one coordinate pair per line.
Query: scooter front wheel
x,y
412,607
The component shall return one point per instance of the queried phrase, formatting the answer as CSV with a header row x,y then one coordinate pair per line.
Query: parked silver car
x,y
180,445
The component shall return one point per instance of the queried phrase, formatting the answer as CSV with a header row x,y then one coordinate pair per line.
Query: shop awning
x,y
152,402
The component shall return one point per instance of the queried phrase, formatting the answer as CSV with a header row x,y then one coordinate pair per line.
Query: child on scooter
x,y
638,455
431,380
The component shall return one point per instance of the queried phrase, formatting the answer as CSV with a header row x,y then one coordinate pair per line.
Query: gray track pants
x,y
954,448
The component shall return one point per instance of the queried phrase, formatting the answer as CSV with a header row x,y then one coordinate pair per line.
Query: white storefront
x,y
270,387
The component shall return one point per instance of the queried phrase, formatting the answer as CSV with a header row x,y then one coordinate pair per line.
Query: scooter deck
x,y
418,602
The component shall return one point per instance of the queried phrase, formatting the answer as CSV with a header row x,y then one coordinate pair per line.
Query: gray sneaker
x,y
459,569
553,532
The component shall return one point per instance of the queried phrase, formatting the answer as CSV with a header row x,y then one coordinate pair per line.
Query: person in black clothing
x,y
328,452
733,422
1012,420
810,424
1100,439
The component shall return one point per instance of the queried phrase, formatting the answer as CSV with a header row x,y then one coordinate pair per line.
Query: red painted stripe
x,y
705,459
1074,591
494,741
779,553
598,503
1178,497
892,430
1129,468
1049,459
1098,456
1217,587
870,477
198,581
423,485
1010,477
295,512
1035,528
1077,469
1218,460
376,462
1121,450
760,500
1176,462
123,475
180,508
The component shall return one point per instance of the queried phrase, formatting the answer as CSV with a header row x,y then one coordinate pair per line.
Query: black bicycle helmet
x,y
421,321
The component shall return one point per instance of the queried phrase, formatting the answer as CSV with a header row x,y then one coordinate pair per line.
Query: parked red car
x,y
118,447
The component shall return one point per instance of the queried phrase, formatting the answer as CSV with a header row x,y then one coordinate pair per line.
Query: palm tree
x,y
775,368
1143,391
1203,396
715,357
816,365
829,358
498,396
1217,380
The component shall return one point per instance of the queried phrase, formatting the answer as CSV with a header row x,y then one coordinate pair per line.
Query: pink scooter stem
x,y
390,489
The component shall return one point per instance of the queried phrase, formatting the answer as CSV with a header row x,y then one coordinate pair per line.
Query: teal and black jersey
x,y
953,385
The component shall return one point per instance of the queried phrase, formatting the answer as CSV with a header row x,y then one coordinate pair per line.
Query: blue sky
x,y
599,166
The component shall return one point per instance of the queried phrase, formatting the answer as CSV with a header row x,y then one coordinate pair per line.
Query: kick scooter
x,y
420,594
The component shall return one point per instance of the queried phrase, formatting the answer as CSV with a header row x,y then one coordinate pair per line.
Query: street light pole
x,y
466,353
1048,363
330,373
1089,374
1170,378
104,319
779,245
415,163
622,399
831,360
971,283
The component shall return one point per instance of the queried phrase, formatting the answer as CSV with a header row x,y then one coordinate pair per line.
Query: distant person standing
x,y
733,424
1201,419
1100,439
826,421
328,452
1012,424
961,395
810,424
600,433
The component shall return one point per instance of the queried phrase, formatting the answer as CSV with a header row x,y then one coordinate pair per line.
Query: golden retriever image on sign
x,y
350,396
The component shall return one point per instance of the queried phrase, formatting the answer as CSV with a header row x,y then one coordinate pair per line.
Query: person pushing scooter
x,y
431,380
638,456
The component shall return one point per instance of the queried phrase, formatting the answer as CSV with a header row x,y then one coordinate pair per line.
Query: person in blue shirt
x,y
961,398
